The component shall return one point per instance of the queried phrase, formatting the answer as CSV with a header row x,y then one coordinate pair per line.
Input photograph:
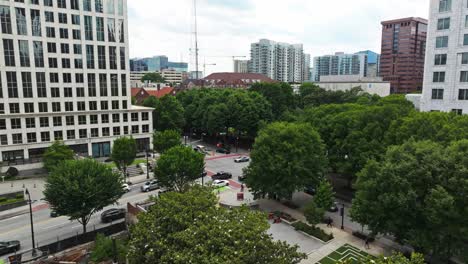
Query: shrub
x,y
313,231
12,172
20,196
3,199
103,249
313,214
363,236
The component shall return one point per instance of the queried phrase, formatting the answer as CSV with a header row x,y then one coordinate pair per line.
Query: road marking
x,y
54,226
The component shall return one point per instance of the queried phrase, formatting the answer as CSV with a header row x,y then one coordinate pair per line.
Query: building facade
x,y
170,75
403,53
241,66
64,75
340,64
373,63
279,61
446,68
156,63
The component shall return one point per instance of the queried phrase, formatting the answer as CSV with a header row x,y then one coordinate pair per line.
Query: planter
x,y
12,205
285,217
313,231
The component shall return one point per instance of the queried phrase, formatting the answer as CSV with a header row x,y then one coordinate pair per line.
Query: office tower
x,y
340,66
241,66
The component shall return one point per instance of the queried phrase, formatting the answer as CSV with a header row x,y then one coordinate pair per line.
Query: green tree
x,y
418,194
280,95
168,114
103,249
313,213
134,100
124,153
151,101
55,154
80,188
153,77
324,197
165,140
190,228
286,157
179,167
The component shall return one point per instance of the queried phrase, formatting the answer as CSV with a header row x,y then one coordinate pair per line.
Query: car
x,y
112,215
150,186
222,175
333,208
223,151
126,187
310,190
165,190
242,159
242,177
220,183
9,247
54,214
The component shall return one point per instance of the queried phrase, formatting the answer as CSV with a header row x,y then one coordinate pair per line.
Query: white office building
x,y
446,68
241,66
339,65
279,61
64,75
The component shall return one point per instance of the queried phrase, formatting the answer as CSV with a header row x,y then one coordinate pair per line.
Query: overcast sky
x,y
227,27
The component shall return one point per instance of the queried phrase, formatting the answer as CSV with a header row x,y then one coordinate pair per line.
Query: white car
x,y
220,183
242,159
126,187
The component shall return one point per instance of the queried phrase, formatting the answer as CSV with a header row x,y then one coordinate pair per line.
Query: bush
x,y
285,216
103,249
3,199
313,214
12,172
313,231
363,236
20,196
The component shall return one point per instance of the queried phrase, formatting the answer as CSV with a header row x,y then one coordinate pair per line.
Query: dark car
x,y
333,208
242,178
223,151
222,175
112,215
309,190
9,247
54,214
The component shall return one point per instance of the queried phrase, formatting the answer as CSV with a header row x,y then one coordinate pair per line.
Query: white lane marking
x,y
50,227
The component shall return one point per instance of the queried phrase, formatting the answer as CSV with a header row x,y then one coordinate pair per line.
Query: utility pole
x,y
32,224
196,38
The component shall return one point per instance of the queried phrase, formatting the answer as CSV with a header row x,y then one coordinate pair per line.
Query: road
x,y
48,230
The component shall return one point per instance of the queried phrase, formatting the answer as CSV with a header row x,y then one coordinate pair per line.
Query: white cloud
x,y
227,27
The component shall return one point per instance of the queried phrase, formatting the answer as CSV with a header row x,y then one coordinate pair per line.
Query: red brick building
x,y
141,94
227,80
403,54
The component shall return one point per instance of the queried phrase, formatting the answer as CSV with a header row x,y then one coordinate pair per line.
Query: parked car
x,y
9,247
220,183
242,177
222,175
334,208
150,186
223,151
165,190
112,215
126,187
54,214
242,159
310,190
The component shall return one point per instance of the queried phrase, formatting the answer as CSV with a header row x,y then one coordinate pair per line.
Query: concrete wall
x,y
379,88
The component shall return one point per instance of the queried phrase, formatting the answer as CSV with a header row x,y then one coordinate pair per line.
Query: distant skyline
x,y
228,27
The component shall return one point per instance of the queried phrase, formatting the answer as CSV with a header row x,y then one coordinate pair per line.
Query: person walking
x,y
367,243
329,222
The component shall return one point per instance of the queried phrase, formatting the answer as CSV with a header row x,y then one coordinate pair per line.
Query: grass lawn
x,y
136,162
346,252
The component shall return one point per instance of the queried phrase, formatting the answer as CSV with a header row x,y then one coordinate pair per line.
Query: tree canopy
x,y
190,228
418,193
124,152
153,77
55,154
168,114
280,96
286,157
80,188
165,140
179,167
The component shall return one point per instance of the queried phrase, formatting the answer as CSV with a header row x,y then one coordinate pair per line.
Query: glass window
x,y
21,25
74,4
41,84
464,76
101,57
465,58
9,52
100,28
123,78
5,19
99,6
49,16
443,23
103,84
445,5
123,59
91,85
90,56
113,58
27,84
121,30
12,85
440,59
438,77
114,85
465,39
110,7
442,42
463,94
24,53
437,94
36,23
15,123
38,54
45,136
87,5
111,30
88,27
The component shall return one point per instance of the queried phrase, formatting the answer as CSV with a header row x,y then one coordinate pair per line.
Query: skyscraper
x,y
341,65
241,66
279,61
403,52
446,68
64,75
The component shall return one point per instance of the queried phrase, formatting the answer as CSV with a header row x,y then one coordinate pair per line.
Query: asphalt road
x,y
48,229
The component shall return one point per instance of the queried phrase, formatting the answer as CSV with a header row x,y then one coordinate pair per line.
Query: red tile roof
x,y
161,93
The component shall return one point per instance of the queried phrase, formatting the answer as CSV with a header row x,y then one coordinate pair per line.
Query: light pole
x,y
342,216
32,224
147,164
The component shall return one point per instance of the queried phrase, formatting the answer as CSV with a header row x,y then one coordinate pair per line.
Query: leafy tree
x,y
168,114
313,213
393,259
153,77
190,228
55,154
165,140
124,153
134,100
280,95
179,167
103,249
286,157
418,194
324,197
151,101
80,188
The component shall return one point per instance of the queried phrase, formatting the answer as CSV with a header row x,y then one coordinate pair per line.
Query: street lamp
x,y
342,216
147,164
32,224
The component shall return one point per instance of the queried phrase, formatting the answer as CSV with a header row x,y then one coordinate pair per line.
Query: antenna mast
x,y
196,38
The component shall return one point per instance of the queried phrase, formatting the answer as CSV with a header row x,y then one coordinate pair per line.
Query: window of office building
x,y
465,40
3,140
43,107
21,25
57,121
443,23
135,129
63,18
88,20
440,59
464,76
68,106
74,4
116,131
105,118
31,137
437,94
58,135
90,56
70,120
68,92
51,47
123,63
45,136
87,5
30,122
81,106
110,7
38,54
463,94
104,105
5,19
17,138
115,105
100,33
442,42
70,134
105,132
134,117
124,84
93,119
56,107
29,108
115,118
62,3
36,23
83,133
438,77
91,85
114,85
82,120
41,84
113,58
24,53
14,108
445,5
101,57
99,7
55,92
111,30
12,85
9,52
44,121
49,16
103,84
94,132
80,92
15,123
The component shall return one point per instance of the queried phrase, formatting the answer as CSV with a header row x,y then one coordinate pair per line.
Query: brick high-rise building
x,y
403,54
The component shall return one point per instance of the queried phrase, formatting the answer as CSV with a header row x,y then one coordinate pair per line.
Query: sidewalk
x,y
35,187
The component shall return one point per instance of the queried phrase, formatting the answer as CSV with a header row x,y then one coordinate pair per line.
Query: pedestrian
x,y
367,243
329,222
242,187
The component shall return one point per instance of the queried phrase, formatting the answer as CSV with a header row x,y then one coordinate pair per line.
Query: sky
x,y
227,27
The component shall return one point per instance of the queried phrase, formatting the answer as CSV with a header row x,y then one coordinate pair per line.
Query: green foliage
x,y
151,101
80,188
311,95
221,110
396,258
12,172
280,96
153,77
179,167
418,194
324,197
190,228
124,152
313,213
55,154
134,100
103,249
313,231
168,114
165,140
286,157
